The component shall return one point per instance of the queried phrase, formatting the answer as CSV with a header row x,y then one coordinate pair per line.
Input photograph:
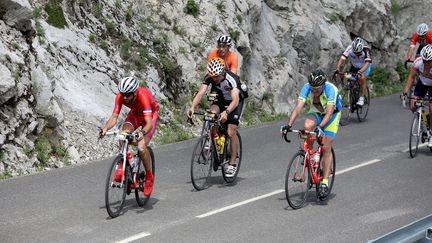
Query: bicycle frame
x,y
313,166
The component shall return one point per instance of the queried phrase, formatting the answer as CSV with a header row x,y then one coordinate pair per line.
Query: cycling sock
x,y
149,173
324,182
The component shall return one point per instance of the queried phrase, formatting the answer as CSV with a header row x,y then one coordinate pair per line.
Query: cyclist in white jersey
x,y
423,67
361,64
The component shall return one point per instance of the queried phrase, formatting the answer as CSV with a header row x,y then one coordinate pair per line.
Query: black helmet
x,y
317,78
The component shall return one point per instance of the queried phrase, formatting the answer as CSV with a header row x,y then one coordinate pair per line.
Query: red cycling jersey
x,y
144,104
422,42
231,60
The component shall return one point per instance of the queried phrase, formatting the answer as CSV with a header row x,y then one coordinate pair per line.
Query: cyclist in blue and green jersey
x,y
323,116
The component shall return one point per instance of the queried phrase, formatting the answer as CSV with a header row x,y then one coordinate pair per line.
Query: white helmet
x,y
127,85
422,29
357,45
426,53
224,39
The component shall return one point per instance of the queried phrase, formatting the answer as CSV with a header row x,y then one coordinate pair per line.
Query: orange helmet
x,y
216,66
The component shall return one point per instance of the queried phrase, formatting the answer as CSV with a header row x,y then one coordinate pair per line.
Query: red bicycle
x,y
305,170
126,174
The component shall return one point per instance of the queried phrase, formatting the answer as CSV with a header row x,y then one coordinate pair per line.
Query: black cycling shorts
x,y
235,115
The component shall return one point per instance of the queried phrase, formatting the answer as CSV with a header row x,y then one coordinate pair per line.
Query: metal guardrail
x,y
418,231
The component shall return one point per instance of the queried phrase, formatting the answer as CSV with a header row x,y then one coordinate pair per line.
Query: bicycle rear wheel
x,y
415,133
139,192
362,111
297,181
227,156
201,163
346,107
331,176
115,188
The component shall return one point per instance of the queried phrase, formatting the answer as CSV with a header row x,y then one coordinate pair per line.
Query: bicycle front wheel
x,y
297,181
362,111
415,133
232,178
330,178
346,107
201,163
139,191
115,188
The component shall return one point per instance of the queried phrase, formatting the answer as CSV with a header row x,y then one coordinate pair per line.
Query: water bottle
x,y
315,159
136,162
221,144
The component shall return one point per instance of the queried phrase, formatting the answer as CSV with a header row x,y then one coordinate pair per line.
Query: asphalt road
x,y
388,191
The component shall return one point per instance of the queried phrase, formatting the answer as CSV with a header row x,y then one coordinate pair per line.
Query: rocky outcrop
x,y
58,83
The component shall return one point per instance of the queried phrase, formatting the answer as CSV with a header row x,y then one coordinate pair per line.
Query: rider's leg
x,y
327,155
232,134
310,122
362,82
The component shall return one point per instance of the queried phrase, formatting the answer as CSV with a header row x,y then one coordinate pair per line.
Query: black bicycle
x,y
349,88
213,150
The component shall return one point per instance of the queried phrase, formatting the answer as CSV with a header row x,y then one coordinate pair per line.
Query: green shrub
x,y
97,10
394,7
43,149
183,51
267,96
380,78
110,27
221,6
402,71
239,18
168,66
37,13
179,30
6,174
129,13
214,27
55,13
15,46
60,152
104,45
192,8
124,50
92,38
333,18
117,4
235,35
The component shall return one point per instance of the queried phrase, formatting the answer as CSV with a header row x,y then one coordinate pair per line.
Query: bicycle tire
x,y
228,155
415,131
331,177
346,107
297,200
141,180
202,161
114,208
362,111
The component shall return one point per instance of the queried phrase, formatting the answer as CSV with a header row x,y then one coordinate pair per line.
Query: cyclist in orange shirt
x,y
223,51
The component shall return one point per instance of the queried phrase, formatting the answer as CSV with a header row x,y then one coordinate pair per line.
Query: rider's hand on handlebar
x,y
223,116
102,133
318,130
190,113
285,129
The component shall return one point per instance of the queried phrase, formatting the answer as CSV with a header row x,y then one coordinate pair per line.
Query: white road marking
x,y
278,191
358,166
239,204
420,146
134,237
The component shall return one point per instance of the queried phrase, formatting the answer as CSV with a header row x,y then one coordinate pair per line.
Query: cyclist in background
x,y
423,67
323,116
423,37
230,58
361,64
143,112
227,86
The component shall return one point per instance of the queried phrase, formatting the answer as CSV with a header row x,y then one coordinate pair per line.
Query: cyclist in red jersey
x,y
423,37
223,51
143,113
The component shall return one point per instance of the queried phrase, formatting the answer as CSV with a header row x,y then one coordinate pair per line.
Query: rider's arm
x,y
233,62
299,106
413,43
410,80
148,121
328,115
340,62
235,94
365,67
199,95
110,123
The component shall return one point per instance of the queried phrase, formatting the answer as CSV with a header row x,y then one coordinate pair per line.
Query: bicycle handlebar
x,y
302,131
122,135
